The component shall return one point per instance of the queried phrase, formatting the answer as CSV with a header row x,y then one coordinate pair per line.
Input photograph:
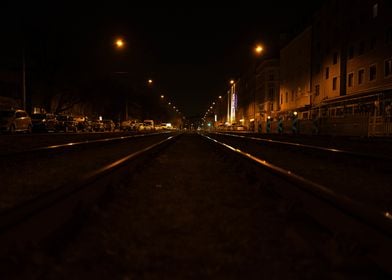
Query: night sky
x,y
190,53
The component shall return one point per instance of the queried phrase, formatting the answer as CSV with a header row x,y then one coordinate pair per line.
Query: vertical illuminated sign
x,y
233,108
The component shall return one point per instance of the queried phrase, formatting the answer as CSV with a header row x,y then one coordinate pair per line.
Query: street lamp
x,y
119,43
258,50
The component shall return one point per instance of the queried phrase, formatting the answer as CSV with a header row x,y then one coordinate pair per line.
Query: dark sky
x,y
190,53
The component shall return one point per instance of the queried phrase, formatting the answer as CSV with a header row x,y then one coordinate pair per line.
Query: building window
x,y
361,74
388,67
326,72
281,99
361,47
334,83
350,79
335,57
292,95
375,10
372,73
317,90
350,52
287,97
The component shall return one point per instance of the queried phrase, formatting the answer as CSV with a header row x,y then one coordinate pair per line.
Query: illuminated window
x,y
388,68
334,83
350,79
361,74
372,72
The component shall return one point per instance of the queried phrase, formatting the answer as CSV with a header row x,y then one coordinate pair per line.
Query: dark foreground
x,y
190,213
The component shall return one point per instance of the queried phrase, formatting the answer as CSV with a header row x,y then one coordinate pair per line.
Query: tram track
x,y
370,227
362,177
191,201
35,219
33,172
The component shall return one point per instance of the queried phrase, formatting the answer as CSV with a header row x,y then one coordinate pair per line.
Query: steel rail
x,y
371,226
76,144
49,211
307,146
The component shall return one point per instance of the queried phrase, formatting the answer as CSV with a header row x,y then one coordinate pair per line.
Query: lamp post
x,y
257,50
120,44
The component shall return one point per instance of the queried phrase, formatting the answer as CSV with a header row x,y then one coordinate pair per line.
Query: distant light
x,y
119,43
258,49
268,117
209,124
150,81
220,96
169,103
162,96
213,103
100,118
231,81
295,113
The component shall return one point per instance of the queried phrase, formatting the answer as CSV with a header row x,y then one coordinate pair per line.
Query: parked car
x,y
147,125
82,123
15,120
108,125
66,123
44,122
97,125
129,125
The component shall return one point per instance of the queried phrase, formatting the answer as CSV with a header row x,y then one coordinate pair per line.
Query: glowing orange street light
x,y
258,49
119,43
